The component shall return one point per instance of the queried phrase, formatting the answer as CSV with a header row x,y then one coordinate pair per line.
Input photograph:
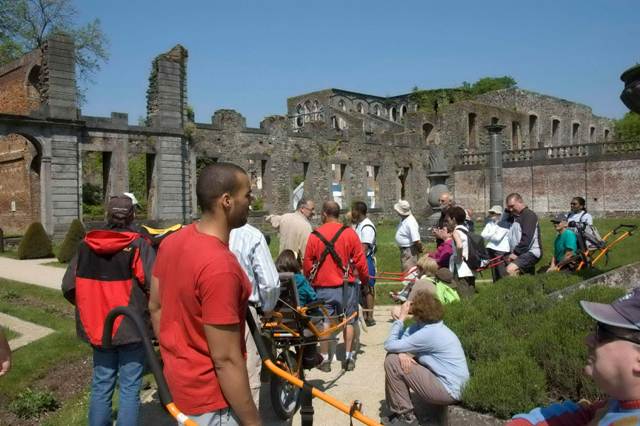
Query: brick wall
x,y
18,184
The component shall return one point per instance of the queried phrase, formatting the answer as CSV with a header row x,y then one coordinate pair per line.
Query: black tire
x,y
285,397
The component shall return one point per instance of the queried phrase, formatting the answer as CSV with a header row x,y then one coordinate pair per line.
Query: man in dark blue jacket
x,y
528,251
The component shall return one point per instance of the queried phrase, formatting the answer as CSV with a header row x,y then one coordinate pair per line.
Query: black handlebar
x,y
163,388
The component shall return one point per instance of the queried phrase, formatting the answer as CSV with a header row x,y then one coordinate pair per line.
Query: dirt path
x,y
365,383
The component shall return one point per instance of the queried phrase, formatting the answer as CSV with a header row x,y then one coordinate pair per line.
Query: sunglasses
x,y
604,334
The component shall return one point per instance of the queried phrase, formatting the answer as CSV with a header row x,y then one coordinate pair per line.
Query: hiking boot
x,y
349,364
370,322
406,419
325,366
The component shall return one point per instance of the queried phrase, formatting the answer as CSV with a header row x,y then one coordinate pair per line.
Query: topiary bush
x,y
69,246
503,386
523,347
35,244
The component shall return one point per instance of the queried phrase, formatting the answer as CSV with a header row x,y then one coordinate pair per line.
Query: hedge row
x,y
523,348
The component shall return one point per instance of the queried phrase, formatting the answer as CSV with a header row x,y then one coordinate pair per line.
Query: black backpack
x,y
477,251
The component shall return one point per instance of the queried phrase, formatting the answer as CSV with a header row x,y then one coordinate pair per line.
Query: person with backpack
x,y
366,231
578,213
112,268
333,254
463,274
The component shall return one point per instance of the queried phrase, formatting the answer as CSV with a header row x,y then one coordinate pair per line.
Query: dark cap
x,y
560,217
120,208
623,313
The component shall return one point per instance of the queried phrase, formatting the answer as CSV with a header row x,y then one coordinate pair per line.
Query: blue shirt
x,y
435,346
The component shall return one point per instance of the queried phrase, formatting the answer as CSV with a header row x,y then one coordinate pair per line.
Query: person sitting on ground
x,y
578,213
5,354
613,363
463,277
442,254
565,245
496,235
287,262
528,250
407,236
426,358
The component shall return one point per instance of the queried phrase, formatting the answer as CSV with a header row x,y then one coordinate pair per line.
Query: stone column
x,y
496,196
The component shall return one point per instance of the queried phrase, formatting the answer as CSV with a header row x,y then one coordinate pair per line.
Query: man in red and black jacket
x,y
332,274
112,268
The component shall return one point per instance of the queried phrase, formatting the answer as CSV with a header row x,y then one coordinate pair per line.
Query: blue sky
x,y
252,55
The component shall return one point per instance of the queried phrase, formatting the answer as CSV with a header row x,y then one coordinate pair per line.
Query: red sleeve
x,y
220,293
358,257
309,255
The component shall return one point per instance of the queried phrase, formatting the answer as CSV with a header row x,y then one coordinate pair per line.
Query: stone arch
x,y
393,114
342,105
20,182
403,111
299,116
360,108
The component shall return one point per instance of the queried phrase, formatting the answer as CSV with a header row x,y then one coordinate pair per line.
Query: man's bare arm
x,y
231,369
155,307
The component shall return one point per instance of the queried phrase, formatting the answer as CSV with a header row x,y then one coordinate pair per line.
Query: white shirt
x,y
460,264
496,237
252,251
366,231
408,232
581,216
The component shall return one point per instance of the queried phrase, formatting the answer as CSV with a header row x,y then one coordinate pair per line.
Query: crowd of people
x,y
197,287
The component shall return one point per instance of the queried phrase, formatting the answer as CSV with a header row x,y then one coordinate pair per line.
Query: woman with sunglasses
x,y
613,364
578,213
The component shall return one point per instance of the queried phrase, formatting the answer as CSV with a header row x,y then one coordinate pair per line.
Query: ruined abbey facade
x,y
331,144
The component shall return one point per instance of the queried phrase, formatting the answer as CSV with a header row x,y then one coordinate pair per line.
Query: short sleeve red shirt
x,y
201,282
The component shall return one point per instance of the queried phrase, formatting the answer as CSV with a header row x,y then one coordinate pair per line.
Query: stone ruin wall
x,y
352,131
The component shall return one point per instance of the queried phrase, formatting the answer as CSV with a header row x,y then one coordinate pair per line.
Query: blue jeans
x,y
127,362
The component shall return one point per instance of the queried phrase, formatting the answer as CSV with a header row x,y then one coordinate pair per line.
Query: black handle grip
x,y
163,388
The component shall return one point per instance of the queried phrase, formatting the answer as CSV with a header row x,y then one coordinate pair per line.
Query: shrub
x,y
31,403
504,386
557,344
75,234
35,244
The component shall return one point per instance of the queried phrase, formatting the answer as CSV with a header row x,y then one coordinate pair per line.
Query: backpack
x,y
373,248
477,251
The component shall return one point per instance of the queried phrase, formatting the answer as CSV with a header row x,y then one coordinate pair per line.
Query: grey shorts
x,y
224,417
334,299
526,261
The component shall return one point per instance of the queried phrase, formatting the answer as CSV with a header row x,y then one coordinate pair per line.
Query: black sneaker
x,y
370,322
349,364
406,419
325,366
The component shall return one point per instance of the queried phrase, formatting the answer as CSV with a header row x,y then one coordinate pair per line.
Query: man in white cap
x,y
407,235
614,366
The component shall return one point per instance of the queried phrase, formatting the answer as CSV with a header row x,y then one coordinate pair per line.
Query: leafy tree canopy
x,y
430,100
628,127
26,24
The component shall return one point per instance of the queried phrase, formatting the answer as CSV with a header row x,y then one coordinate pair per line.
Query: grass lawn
x,y
36,365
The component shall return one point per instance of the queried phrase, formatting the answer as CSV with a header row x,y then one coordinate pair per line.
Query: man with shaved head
x,y
445,200
198,304
332,257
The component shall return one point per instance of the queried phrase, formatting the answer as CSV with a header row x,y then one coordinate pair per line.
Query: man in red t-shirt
x,y
328,277
198,304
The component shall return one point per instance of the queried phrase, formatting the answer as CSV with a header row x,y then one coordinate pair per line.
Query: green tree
x,y
628,127
488,84
26,24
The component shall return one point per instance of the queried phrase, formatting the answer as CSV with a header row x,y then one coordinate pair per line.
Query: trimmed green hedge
x,y
35,244
69,246
525,349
